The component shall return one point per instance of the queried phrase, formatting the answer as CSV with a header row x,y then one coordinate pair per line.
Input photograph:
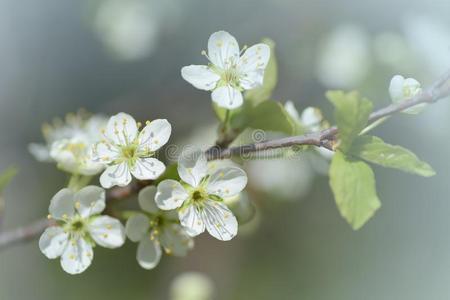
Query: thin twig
x,y
325,138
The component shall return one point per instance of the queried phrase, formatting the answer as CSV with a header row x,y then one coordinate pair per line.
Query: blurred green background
x,y
110,56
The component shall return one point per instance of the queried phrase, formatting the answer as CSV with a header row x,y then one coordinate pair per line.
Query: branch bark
x,y
324,138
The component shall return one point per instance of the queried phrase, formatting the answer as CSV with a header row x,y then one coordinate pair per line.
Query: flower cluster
x,y
174,208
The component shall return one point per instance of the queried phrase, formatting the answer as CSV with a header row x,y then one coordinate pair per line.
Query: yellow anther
x,y
147,122
77,204
203,52
109,226
49,216
124,121
139,124
219,44
168,251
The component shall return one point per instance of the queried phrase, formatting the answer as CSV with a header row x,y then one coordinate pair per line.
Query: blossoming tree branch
x,y
178,202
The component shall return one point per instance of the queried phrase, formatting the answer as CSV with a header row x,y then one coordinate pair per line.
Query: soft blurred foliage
x,y
110,55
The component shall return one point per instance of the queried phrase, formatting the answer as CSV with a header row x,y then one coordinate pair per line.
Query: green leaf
x,y
375,150
6,176
353,185
351,114
268,115
264,92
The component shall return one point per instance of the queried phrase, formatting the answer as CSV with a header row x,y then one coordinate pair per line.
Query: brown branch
x,y
325,138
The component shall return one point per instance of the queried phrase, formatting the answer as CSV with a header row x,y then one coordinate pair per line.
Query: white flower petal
x,y
40,152
148,168
312,118
62,205
154,135
90,201
146,199
107,232
53,242
227,97
396,88
148,253
77,256
104,152
171,194
220,221
175,240
291,110
252,65
223,49
191,220
116,175
137,226
200,76
192,166
227,182
254,58
121,129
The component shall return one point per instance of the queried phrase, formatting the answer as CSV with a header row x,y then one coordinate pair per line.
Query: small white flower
x,y
127,151
68,143
228,73
200,195
311,120
156,229
401,89
79,228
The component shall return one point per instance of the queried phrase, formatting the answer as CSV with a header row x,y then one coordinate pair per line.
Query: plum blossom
x,y
155,230
228,74
68,143
402,89
127,151
79,227
199,196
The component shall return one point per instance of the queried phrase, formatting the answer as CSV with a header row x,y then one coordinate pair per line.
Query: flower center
x,y
129,151
230,76
199,195
77,226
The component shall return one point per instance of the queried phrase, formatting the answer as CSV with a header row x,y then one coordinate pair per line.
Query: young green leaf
x,y
375,150
264,92
351,114
6,176
353,185
269,115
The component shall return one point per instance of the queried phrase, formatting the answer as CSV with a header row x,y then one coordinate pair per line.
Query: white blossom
x,y
311,120
156,230
402,89
79,228
228,73
127,151
68,143
199,196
